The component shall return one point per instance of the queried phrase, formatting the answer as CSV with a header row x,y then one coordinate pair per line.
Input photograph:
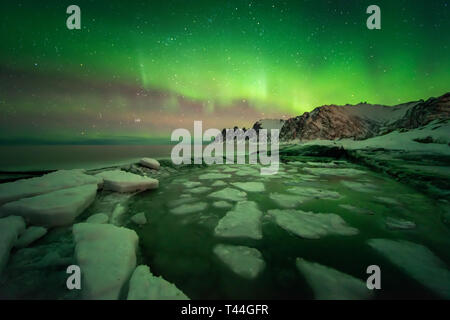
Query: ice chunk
x,y
334,171
98,218
199,190
10,228
287,200
61,179
418,262
209,176
250,186
150,163
244,261
145,286
307,192
189,208
360,186
106,255
229,194
311,225
243,221
52,209
330,284
121,181
222,204
387,200
182,200
219,183
139,218
117,215
191,184
351,208
30,235
396,223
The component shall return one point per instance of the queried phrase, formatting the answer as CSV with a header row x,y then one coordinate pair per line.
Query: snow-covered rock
x,y
58,180
57,208
243,221
250,186
139,218
311,225
189,208
150,163
106,255
229,194
121,181
418,262
30,235
145,286
98,218
330,284
10,229
244,261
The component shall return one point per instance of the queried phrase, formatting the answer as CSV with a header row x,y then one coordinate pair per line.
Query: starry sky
x,y
139,69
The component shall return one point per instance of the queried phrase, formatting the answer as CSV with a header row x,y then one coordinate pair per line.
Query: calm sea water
x,y
37,158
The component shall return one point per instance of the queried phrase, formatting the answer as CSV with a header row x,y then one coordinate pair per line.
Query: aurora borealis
x,y
142,68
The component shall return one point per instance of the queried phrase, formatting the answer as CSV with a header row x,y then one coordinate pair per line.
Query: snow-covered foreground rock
x,y
418,262
145,286
150,163
58,180
106,255
243,221
30,235
121,181
311,225
57,208
244,261
10,229
330,284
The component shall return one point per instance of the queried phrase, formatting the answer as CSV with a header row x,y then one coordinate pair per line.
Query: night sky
x,y
139,69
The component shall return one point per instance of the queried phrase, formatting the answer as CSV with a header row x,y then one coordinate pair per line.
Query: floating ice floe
x,y
387,200
145,286
360,186
57,208
199,190
244,261
139,218
397,223
330,284
351,208
243,221
58,180
106,255
219,183
287,200
314,193
229,194
247,171
98,218
250,186
321,164
10,229
222,204
334,171
150,163
30,235
213,176
182,200
311,225
191,184
418,262
189,208
229,170
121,181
